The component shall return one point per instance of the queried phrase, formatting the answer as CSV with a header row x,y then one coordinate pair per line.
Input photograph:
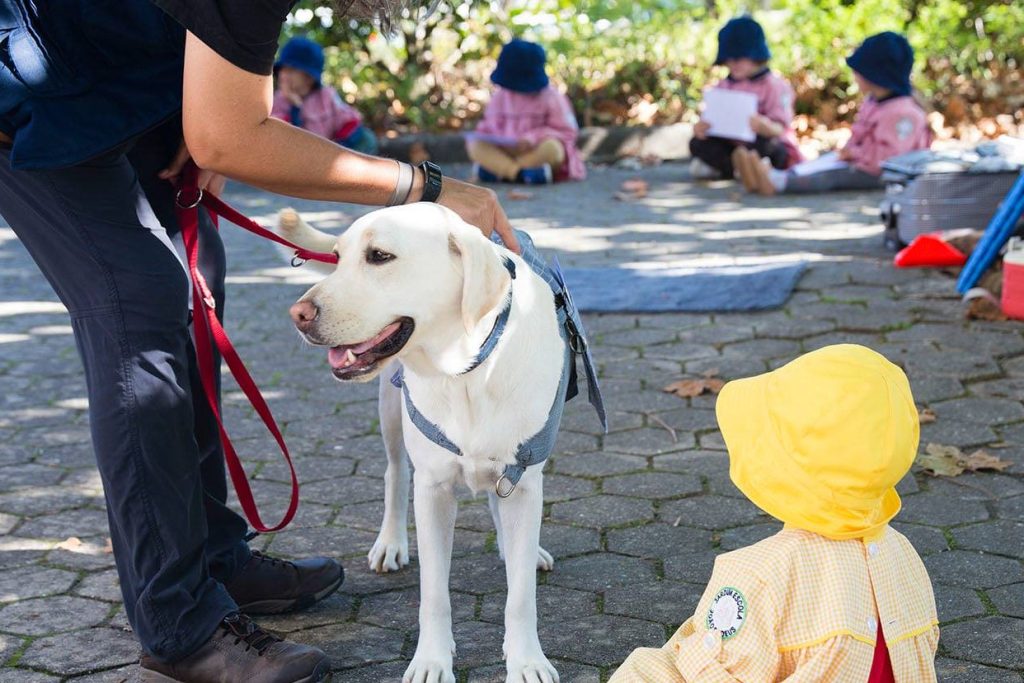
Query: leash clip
x,y
199,198
298,261
504,492
577,343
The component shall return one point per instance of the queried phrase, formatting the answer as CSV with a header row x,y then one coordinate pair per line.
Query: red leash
x,y
207,325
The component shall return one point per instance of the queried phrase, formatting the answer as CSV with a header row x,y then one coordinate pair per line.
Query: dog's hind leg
x,y
520,515
390,551
545,562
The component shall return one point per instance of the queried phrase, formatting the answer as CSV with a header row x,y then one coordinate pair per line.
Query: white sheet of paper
x,y
499,140
729,112
826,162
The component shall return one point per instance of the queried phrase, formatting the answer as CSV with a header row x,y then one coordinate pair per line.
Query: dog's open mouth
x,y
350,361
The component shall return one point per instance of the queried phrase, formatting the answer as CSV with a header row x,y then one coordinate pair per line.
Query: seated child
x,y
302,100
838,595
742,48
528,131
889,122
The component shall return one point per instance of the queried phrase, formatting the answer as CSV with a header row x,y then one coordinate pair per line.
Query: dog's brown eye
x,y
376,256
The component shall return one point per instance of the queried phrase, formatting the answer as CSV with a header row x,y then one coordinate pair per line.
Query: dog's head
x,y
413,277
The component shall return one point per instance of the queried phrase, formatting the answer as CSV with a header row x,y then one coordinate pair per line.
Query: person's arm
x,y
228,129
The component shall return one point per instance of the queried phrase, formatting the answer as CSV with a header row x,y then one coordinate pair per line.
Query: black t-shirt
x,y
244,32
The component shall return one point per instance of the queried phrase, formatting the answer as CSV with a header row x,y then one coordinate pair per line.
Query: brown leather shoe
x,y
240,651
266,585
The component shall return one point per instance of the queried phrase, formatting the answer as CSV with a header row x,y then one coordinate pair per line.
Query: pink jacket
x,y
536,117
323,112
885,128
774,100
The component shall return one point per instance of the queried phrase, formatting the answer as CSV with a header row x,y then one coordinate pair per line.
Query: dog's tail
x,y
297,231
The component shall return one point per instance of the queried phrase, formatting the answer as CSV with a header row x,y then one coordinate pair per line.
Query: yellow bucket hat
x,y
821,442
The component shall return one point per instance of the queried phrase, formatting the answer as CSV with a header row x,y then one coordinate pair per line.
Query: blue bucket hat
x,y
886,59
521,67
742,37
302,54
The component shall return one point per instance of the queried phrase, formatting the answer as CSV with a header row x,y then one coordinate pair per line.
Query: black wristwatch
x,y
431,181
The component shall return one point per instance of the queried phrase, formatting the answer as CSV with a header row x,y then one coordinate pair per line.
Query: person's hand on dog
x,y
479,206
208,180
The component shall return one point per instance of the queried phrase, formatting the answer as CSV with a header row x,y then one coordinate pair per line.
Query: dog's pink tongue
x,y
381,336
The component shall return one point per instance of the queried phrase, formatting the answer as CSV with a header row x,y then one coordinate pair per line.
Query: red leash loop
x,y
207,326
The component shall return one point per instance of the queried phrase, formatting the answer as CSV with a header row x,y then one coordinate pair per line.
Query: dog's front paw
x,y
430,668
390,552
545,562
531,669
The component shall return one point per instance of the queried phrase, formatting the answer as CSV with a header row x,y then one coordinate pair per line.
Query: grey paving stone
x,y
478,574
688,419
81,651
598,464
602,640
657,540
378,673
663,602
32,582
330,541
739,537
692,567
9,645
600,571
477,644
47,616
935,508
973,569
1002,537
954,602
958,671
81,523
986,411
40,500
351,644
930,388
334,609
1009,600
29,475
1012,508
648,441
926,540
998,641
603,511
559,488
124,674
710,512
653,485
562,540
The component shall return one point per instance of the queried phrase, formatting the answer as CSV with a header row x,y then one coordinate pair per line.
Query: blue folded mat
x,y
723,288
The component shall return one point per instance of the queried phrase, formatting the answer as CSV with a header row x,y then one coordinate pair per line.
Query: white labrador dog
x,y
419,285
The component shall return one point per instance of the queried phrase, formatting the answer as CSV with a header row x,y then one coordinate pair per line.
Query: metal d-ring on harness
x,y
535,450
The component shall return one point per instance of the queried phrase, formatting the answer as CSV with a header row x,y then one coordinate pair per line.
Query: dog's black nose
x,y
304,313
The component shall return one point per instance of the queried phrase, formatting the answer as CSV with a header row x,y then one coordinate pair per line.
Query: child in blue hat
x,y
528,131
304,101
742,48
889,122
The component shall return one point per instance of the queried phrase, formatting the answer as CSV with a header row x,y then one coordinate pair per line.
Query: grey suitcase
x,y
934,202
937,191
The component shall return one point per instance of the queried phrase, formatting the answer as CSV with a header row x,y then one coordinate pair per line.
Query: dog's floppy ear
x,y
484,277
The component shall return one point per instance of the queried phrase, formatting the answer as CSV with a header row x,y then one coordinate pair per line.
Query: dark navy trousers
x,y
100,233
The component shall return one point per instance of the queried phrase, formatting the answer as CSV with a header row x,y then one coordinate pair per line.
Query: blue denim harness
x,y
537,448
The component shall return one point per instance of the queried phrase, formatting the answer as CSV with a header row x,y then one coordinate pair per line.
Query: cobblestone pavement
x,y
633,518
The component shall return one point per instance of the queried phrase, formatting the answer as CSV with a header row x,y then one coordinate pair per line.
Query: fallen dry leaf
x,y
71,543
941,461
635,185
518,195
950,461
982,460
688,388
926,416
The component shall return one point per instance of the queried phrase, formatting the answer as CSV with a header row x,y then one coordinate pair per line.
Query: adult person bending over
x,y
94,98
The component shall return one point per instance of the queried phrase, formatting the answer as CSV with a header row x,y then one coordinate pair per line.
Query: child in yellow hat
x,y
837,595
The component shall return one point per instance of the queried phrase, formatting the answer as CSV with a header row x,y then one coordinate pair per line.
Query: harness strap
x,y
207,327
499,324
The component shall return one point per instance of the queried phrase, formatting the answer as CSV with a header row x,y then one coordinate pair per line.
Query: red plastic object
x,y
1013,285
929,251
881,664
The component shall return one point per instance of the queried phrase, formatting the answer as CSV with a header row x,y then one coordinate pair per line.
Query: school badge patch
x,y
727,613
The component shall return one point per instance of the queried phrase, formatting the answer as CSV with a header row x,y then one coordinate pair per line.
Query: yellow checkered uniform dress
x,y
802,608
